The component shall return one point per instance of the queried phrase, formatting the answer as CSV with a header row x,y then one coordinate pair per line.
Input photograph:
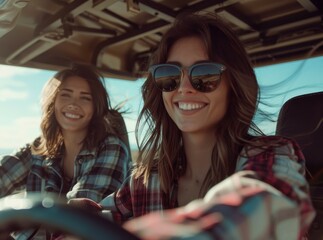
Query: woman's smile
x,y
188,106
72,115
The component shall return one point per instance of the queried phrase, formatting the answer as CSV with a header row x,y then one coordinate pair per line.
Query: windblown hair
x,y
101,124
161,148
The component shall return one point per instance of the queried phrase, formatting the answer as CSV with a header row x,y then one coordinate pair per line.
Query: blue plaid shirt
x,y
97,173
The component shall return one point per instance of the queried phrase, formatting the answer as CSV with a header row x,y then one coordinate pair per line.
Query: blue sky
x,y
20,94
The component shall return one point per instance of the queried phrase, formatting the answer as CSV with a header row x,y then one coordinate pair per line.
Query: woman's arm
x,y
14,170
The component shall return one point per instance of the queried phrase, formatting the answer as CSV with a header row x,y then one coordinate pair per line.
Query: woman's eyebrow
x,y
71,90
173,62
66,89
179,64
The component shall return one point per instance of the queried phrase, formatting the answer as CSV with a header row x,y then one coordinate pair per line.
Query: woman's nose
x,y
72,107
185,84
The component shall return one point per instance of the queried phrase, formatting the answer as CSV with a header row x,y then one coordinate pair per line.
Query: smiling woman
x,y
78,145
203,149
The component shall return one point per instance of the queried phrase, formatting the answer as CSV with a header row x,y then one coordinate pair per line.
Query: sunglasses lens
x,y
205,77
167,78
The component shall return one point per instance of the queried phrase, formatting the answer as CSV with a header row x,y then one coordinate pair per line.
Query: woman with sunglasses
x,y
202,156
80,152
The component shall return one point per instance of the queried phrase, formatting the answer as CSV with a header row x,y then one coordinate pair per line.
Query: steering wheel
x,y
51,213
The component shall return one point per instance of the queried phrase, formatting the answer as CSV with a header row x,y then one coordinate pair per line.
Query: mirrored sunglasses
x,y
204,77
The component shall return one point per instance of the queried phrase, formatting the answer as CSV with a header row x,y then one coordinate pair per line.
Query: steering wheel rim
x,y
50,212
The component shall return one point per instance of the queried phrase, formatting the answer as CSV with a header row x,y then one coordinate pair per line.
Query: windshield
x,y
20,94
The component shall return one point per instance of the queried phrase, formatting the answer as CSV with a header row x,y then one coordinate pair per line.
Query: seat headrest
x,y
301,118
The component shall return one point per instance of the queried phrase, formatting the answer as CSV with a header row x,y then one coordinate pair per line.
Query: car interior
x,y
118,37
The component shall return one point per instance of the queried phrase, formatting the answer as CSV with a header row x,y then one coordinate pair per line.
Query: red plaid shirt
x,y
267,198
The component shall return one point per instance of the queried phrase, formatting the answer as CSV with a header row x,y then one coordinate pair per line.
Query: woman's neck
x,y
198,152
73,139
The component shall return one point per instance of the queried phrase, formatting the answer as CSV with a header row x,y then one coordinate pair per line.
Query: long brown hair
x,y
51,138
161,146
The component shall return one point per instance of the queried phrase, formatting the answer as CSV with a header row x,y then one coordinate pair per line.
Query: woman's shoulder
x,y
273,143
271,140
112,139
110,144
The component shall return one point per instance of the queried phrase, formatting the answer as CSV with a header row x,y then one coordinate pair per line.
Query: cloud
x,y
35,108
19,132
10,74
12,83
8,94
12,71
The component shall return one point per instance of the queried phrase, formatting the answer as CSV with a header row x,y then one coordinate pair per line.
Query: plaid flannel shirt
x,y
97,173
266,198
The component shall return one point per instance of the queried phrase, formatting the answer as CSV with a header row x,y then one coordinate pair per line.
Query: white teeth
x,y
190,106
71,115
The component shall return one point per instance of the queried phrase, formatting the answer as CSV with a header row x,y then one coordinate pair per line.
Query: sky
x,y
20,90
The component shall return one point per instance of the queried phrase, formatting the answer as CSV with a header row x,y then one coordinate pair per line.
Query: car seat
x,y
119,124
301,118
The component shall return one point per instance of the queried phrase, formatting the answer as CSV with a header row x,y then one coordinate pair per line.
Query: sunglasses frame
x,y
153,68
